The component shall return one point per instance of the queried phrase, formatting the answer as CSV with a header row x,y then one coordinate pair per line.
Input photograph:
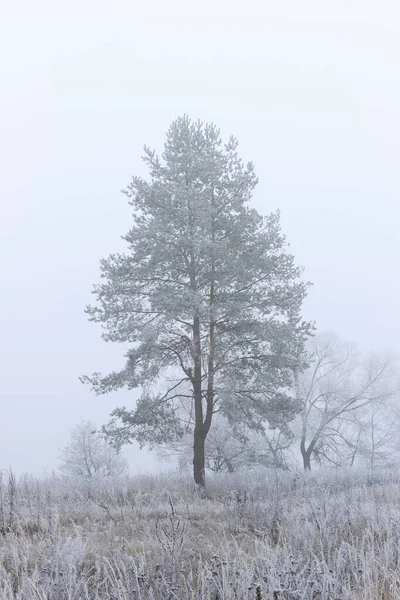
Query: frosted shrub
x,y
69,553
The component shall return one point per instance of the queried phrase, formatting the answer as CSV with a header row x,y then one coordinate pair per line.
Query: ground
x,y
260,535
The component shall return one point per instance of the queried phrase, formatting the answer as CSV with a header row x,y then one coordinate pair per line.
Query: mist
x,y
309,89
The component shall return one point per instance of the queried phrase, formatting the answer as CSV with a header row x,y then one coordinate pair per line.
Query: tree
x,y
337,385
206,295
367,437
378,433
223,453
231,448
88,454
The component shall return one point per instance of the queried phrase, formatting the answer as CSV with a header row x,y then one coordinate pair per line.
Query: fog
x,y
310,89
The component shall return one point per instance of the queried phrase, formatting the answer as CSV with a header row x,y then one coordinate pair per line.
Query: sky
x,y
311,90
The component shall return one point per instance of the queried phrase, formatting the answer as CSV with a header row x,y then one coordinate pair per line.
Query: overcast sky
x,y
311,90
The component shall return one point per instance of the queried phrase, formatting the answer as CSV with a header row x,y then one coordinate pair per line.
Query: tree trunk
x,y
306,454
307,461
200,431
202,425
229,465
199,458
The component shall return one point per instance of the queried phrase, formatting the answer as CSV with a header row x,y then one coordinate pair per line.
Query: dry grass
x,y
319,536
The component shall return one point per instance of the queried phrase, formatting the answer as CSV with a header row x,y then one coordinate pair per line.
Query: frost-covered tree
x,y
230,447
206,294
89,455
338,390
368,436
377,431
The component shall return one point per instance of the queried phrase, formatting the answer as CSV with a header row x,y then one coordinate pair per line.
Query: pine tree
x,y
205,295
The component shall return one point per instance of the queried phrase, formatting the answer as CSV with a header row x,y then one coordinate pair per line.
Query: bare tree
x,y
378,433
230,447
337,385
226,450
88,454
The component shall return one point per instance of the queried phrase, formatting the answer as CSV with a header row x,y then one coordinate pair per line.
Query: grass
x,y
263,535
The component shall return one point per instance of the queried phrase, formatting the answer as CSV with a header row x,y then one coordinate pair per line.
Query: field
x,y
262,535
